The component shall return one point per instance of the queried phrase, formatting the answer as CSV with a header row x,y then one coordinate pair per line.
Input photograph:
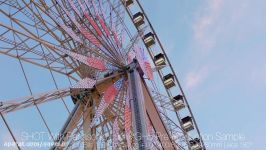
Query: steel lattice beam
x,y
8,106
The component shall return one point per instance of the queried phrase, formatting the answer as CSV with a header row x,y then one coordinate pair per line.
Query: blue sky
x,y
217,48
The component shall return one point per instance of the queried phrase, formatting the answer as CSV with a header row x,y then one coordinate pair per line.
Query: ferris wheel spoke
x,y
16,6
37,61
111,39
45,9
71,33
117,22
36,18
49,31
54,17
12,105
133,42
28,54
25,49
111,23
119,13
87,34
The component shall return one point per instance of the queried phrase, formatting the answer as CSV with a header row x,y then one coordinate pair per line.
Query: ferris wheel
x,y
122,91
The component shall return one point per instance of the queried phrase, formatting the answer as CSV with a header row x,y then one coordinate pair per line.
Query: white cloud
x,y
195,78
208,18
228,34
222,22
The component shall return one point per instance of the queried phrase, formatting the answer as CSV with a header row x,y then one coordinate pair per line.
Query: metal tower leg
x,y
69,126
89,133
138,107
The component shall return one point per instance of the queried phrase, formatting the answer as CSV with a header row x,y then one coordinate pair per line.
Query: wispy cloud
x,y
226,33
220,22
195,78
206,20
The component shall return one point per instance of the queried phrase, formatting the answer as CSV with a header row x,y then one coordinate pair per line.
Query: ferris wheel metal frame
x,y
87,48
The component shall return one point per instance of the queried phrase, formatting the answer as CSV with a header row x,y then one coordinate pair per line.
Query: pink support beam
x,y
115,134
93,23
108,97
105,28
